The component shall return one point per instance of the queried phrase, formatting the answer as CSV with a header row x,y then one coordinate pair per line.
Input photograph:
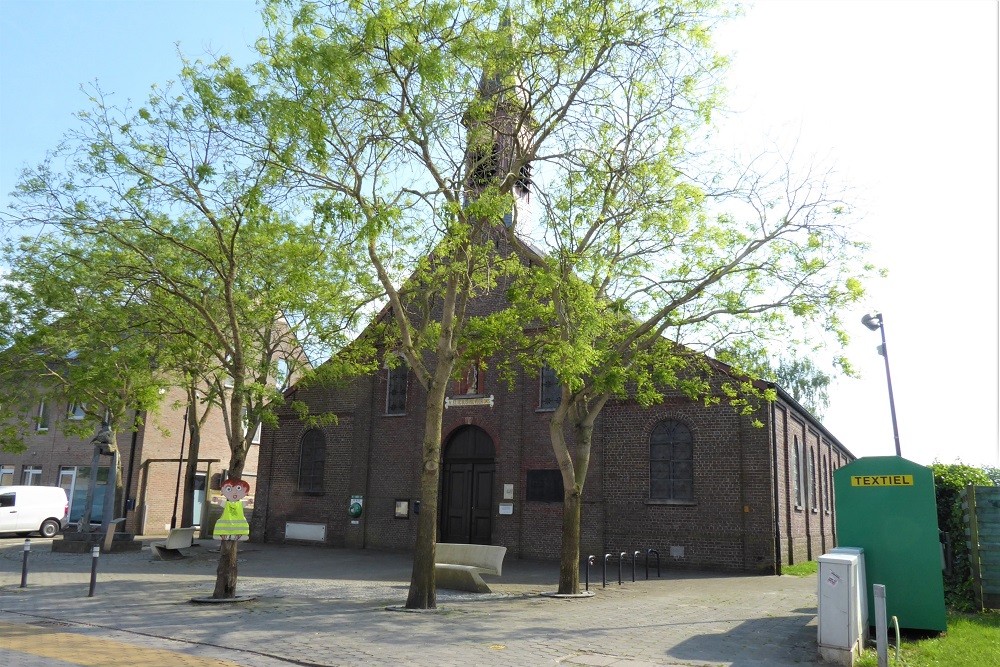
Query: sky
x,y
899,98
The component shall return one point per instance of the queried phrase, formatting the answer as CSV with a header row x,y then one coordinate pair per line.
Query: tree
x,y
170,203
950,481
799,376
70,347
422,124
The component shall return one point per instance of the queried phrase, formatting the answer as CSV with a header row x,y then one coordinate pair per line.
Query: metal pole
x,y
635,557
604,572
180,463
621,557
590,563
881,631
131,460
95,552
888,378
24,564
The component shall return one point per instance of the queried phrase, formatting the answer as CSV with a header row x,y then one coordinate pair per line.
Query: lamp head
x,y
872,320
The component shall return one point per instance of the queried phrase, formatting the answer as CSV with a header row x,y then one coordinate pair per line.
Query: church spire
x,y
498,127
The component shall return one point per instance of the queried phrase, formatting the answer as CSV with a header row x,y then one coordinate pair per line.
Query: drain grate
x,y
50,624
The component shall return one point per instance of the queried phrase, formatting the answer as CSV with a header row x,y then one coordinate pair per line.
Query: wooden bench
x,y
177,539
459,566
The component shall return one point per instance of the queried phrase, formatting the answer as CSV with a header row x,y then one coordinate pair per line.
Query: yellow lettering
x,y
882,480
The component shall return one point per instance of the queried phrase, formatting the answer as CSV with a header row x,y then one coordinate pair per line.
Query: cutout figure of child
x,y
232,525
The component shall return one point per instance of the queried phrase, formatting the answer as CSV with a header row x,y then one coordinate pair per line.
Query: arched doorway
x,y
467,487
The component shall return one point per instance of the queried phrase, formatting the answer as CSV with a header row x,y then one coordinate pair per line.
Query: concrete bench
x,y
177,539
459,566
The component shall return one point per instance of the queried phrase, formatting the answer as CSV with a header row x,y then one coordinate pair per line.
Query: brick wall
x,y
154,469
733,523
807,519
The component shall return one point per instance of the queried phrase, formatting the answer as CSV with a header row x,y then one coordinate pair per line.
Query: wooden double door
x,y
467,487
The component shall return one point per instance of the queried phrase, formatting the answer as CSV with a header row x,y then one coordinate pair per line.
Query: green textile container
x,y
886,505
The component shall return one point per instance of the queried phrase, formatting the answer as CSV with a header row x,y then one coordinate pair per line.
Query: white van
x,y
29,509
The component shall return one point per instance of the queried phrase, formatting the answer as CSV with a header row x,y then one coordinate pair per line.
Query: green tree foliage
x,y
166,218
420,126
653,257
66,347
799,376
950,479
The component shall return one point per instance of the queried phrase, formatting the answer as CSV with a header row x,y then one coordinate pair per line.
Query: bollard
x,y
604,576
24,564
621,557
95,552
590,563
881,639
635,557
653,551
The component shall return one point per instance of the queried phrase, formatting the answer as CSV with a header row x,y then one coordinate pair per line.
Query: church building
x,y
702,485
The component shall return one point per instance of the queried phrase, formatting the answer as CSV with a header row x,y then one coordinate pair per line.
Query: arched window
x,y
312,457
671,462
796,473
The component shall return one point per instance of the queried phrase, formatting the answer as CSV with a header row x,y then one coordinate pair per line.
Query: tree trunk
x,y
190,471
579,462
225,574
119,508
569,560
225,579
422,593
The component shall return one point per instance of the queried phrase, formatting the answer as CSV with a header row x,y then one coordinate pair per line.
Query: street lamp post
x,y
874,322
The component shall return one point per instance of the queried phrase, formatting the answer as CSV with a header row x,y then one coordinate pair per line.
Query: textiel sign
x,y
881,480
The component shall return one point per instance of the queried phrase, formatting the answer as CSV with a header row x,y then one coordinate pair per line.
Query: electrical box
x,y
861,613
839,600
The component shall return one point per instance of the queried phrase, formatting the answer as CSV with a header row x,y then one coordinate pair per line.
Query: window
x,y
76,411
42,423
6,475
826,486
796,473
829,488
31,475
472,381
544,486
7,500
81,483
811,471
255,440
312,458
671,462
395,392
281,375
550,392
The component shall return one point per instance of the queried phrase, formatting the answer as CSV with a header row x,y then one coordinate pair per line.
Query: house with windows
x,y
153,459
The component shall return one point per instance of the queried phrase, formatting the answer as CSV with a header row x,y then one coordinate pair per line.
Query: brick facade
x,y
157,446
742,518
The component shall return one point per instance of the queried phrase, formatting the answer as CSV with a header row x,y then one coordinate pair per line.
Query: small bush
x,y
949,481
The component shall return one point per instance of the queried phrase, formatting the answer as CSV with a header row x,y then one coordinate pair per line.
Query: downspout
x,y
743,495
131,465
371,429
774,483
270,478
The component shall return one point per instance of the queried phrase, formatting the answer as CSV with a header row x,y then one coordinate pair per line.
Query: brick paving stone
x,y
326,607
